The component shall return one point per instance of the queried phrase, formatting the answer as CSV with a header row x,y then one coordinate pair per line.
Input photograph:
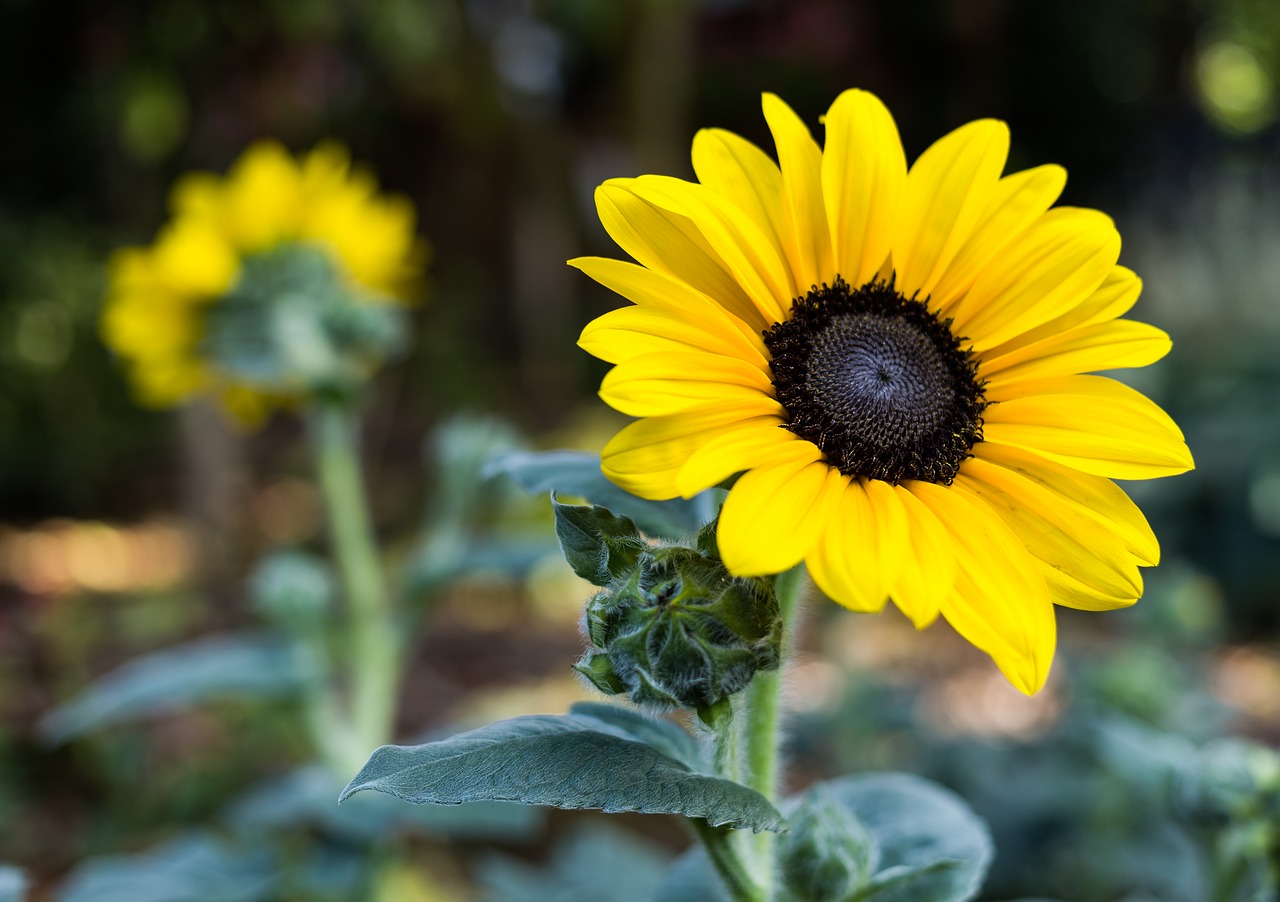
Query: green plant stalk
x,y
762,730
718,841
374,654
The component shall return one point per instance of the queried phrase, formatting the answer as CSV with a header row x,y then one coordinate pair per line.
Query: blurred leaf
x,y
191,868
306,796
438,561
692,879
178,677
932,847
599,862
599,545
578,473
1150,761
13,884
585,759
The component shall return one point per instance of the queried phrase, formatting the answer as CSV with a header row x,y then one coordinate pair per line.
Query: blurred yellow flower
x,y
157,296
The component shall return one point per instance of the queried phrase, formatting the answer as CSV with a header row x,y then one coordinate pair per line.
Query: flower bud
x,y
827,854
674,629
293,589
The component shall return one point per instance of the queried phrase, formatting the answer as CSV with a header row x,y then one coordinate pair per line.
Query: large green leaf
x,y
191,868
931,846
241,665
305,797
578,473
13,884
589,758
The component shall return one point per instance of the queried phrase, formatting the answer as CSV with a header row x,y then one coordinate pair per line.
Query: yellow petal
x,y
648,288
633,331
645,457
667,383
1114,297
1091,423
774,515
1017,201
862,550
671,244
262,196
948,190
927,574
750,254
1086,494
1079,554
1052,267
1000,602
806,239
738,170
193,257
1102,346
197,194
864,171
759,442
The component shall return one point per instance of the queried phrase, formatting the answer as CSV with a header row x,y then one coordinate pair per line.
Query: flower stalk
x,y
374,655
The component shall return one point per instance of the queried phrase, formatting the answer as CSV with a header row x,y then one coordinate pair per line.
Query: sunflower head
x,y
279,280
896,362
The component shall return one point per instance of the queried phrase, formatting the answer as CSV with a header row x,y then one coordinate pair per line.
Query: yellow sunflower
x,y
158,296
893,359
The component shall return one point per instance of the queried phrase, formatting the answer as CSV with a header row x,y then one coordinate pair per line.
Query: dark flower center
x,y
878,382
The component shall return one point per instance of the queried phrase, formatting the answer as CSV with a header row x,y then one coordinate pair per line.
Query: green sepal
x,y
599,672
599,545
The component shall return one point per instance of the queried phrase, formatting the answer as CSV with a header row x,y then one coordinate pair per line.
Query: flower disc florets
x,y
679,631
877,382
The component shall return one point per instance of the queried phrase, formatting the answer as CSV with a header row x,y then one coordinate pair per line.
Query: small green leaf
x,y
827,854
578,473
175,678
586,759
599,545
191,868
932,847
13,884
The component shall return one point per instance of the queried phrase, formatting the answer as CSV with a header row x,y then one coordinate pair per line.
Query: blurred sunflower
x,y
893,360
274,225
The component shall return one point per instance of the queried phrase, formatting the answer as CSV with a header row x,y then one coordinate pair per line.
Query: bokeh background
x,y
123,530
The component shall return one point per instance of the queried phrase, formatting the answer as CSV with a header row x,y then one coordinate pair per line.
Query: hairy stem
x,y
718,841
374,653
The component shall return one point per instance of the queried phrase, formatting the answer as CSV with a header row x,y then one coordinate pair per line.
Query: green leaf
x,y
599,545
596,862
585,759
191,868
932,847
13,884
305,797
175,678
578,473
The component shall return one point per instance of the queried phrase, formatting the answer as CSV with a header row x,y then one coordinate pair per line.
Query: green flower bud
x,y
827,854
292,588
675,629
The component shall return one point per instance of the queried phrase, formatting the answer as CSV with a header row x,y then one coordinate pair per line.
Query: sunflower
x,y
159,297
895,362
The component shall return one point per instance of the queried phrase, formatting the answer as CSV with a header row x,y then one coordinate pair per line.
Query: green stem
x,y
374,652
763,711
718,841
